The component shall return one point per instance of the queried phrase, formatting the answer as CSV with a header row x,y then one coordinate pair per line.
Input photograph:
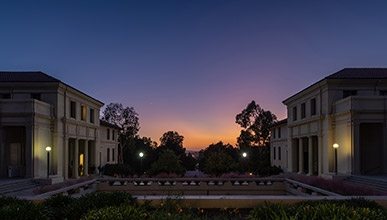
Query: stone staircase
x,y
17,187
376,182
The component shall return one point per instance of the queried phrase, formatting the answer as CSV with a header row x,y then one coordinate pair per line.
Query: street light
x,y
336,145
244,154
141,154
48,149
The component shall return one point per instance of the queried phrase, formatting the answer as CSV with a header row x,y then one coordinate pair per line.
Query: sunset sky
x,y
192,65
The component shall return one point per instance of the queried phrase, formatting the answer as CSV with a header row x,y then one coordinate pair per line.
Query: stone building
x,y
36,111
347,108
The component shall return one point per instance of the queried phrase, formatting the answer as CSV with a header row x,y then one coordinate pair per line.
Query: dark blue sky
x,y
191,66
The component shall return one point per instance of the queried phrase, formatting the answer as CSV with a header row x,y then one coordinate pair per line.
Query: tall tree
x,y
255,134
207,162
173,141
256,123
168,163
127,120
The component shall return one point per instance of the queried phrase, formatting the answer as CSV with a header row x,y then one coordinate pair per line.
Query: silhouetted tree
x,y
214,149
219,162
127,120
168,163
137,145
255,135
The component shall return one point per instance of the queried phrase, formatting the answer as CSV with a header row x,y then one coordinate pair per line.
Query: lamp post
x,y
336,145
141,154
48,149
244,154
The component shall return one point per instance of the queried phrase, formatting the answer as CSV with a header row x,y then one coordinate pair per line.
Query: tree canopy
x,y
127,120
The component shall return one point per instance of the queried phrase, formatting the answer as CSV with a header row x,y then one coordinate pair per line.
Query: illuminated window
x,y
73,109
91,115
303,110
83,113
313,109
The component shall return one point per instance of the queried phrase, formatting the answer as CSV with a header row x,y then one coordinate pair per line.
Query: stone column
x,y
301,156
86,158
310,160
76,158
66,164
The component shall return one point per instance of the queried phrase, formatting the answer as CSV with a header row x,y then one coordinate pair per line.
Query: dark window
x,y
5,96
108,134
91,115
279,132
274,153
303,110
274,133
383,92
73,109
113,135
294,113
347,93
36,96
279,153
108,154
112,154
313,107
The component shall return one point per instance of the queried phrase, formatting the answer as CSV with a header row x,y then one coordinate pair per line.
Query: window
x,y
73,110
83,113
295,113
383,92
303,110
113,135
279,132
347,93
108,154
274,133
5,96
313,107
112,154
92,115
274,153
279,153
108,134
36,96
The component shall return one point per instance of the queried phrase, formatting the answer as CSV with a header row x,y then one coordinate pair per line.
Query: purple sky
x,y
191,65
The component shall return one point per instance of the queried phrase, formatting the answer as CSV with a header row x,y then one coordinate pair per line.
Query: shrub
x,y
117,213
123,170
59,206
326,209
14,208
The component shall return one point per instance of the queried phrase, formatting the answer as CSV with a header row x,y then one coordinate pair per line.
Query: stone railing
x,y
209,186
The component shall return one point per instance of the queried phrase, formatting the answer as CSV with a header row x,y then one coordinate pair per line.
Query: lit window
x,y
83,113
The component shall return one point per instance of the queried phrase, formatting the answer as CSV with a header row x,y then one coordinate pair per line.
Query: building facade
x,y
347,108
36,111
